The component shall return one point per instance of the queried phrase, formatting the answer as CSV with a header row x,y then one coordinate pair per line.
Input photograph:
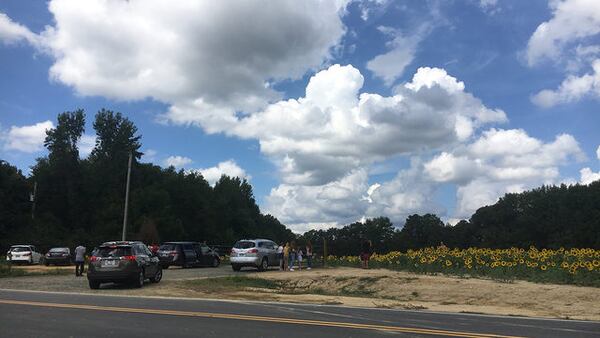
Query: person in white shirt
x,y
299,257
309,253
79,260
280,256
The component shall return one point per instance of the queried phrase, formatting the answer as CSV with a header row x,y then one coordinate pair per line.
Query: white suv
x,y
23,254
258,253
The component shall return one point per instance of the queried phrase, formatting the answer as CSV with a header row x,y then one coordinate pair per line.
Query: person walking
x,y
309,253
292,255
280,256
286,255
79,260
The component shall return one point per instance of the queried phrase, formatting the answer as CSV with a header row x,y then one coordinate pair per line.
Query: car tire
x,y
157,276
264,265
94,285
139,281
216,262
236,267
46,263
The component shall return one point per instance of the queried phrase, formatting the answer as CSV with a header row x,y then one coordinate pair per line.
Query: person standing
x,y
309,253
299,258
280,256
365,253
79,260
292,255
286,253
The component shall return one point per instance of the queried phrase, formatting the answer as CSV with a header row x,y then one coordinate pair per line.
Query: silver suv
x,y
258,253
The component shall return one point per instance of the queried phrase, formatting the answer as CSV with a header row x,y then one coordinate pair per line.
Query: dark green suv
x,y
126,261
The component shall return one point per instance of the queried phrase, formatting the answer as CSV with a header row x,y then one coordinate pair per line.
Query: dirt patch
x,y
392,289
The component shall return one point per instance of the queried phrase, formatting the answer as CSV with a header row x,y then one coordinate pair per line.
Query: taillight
x,y
27,254
232,252
129,258
173,253
252,251
94,259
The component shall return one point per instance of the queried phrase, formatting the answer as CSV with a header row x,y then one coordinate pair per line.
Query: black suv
x,y
187,254
123,262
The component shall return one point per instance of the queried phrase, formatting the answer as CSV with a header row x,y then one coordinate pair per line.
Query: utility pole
x,y
324,252
127,197
32,199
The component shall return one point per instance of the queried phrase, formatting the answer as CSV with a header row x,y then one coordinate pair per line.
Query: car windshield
x,y
113,251
59,250
19,249
244,245
167,247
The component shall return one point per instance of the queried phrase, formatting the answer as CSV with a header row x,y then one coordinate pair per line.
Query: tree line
x,y
81,201
546,217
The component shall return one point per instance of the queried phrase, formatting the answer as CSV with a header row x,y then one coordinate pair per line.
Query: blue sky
x,y
334,110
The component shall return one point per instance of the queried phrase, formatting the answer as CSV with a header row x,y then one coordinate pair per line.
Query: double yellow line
x,y
258,319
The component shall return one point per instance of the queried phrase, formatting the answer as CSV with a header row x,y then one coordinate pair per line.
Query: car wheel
x,y
157,276
264,265
165,267
235,267
215,262
139,281
46,263
95,285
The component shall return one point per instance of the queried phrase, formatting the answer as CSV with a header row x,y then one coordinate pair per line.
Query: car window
x,y
113,251
167,247
19,249
188,247
205,249
244,245
59,250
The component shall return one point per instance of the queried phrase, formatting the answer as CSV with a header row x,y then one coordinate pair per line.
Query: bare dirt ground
x,y
356,287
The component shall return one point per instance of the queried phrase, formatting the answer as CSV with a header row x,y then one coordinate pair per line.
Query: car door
x,y
207,256
189,254
35,255
199,257
143,255
273,259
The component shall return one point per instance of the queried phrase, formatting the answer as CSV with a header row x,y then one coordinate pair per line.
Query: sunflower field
x,y
564,266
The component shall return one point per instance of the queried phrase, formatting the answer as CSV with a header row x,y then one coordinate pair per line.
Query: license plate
x,y
108,263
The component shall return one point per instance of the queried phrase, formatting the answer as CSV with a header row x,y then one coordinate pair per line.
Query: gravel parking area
x,y
70,283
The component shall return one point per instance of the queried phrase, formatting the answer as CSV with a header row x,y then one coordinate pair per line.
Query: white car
x,y
23,254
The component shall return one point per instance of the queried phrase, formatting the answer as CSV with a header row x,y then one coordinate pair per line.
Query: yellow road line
x,y
258,318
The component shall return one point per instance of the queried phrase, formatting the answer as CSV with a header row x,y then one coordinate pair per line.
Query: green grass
x,y
10,271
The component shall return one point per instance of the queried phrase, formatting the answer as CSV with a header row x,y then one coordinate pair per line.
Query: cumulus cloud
x,y
28,139
86,145
12,32
229,168
568,39
221,54
499,162
402,49
177,161
588,176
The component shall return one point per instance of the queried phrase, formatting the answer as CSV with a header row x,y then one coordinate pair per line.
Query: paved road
x,y
49,314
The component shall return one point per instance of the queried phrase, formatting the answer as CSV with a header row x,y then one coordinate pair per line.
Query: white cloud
x,y
86,145
499,162
28,139
229,168
177,161
588,176
573,88
403,47
598,152
12,32
220,54
149,155
569,39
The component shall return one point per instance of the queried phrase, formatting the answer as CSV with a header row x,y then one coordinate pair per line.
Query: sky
x,y
335,111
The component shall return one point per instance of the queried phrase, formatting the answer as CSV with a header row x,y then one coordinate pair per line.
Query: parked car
x,y
58,256
23,254
187,254
258,253
124,261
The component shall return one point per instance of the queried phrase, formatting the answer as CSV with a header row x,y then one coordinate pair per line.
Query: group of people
x,y
290,254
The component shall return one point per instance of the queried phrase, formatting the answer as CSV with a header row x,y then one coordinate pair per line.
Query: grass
x,y
230,283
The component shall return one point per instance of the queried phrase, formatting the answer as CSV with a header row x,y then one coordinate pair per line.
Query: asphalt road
x,y
50,314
